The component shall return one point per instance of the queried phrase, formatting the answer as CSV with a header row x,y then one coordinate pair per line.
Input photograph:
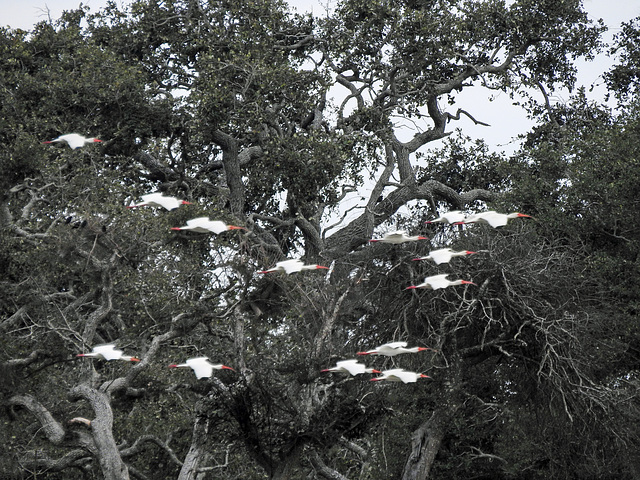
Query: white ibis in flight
x,y
157,199
444,255
454,216
74,140
204,225
393,348
293,266
436,282
201,366
494,218
399,236
108,352
400,375
351,367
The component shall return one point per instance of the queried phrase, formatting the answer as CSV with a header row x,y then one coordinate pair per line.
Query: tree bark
x,y
425,443
189,468
111,464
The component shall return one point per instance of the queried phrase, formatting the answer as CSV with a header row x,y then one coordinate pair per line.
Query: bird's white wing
x,y
454,216
201,366
394,345
496,220
151,197
216,226
107,351
198,222
395,235
407,377
291,266
442,255
73,140
169,203
352,366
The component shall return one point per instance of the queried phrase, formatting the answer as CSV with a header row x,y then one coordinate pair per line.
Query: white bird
x,y
444,255
74,140
454,216
493,218
157,199
436,282
351,367
292,266
400,375
393,348
108,352
201,366
399,236
204,225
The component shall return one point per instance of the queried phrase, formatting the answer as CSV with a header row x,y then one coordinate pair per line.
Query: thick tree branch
x,y
111,464
51,428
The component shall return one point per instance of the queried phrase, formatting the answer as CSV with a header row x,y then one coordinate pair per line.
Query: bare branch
x,y
51,428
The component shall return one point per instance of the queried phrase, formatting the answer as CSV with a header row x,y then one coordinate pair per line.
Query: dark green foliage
x,y
230,106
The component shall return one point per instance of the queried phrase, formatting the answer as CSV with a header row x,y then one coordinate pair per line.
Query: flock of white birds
x,y
203,368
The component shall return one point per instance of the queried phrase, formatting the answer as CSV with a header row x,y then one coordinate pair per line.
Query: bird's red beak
x,y
411,287
96,140
226,368
362,353
376,371
469,252
176,228
424,376
414,259
320,266
81,355
233,227
375,379
184,202
173,366
468,282
423,238
134,359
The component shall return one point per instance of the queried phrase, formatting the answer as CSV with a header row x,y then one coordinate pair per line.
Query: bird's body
x,y
454,216
493,218
399,236
351,367
392,349
108,352
444,255
201,366
157,199
292,266
436,282
74,140
204,225
400,375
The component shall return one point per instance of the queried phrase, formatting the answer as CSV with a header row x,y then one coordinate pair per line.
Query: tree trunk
x,y
189,468
425,443
111,464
